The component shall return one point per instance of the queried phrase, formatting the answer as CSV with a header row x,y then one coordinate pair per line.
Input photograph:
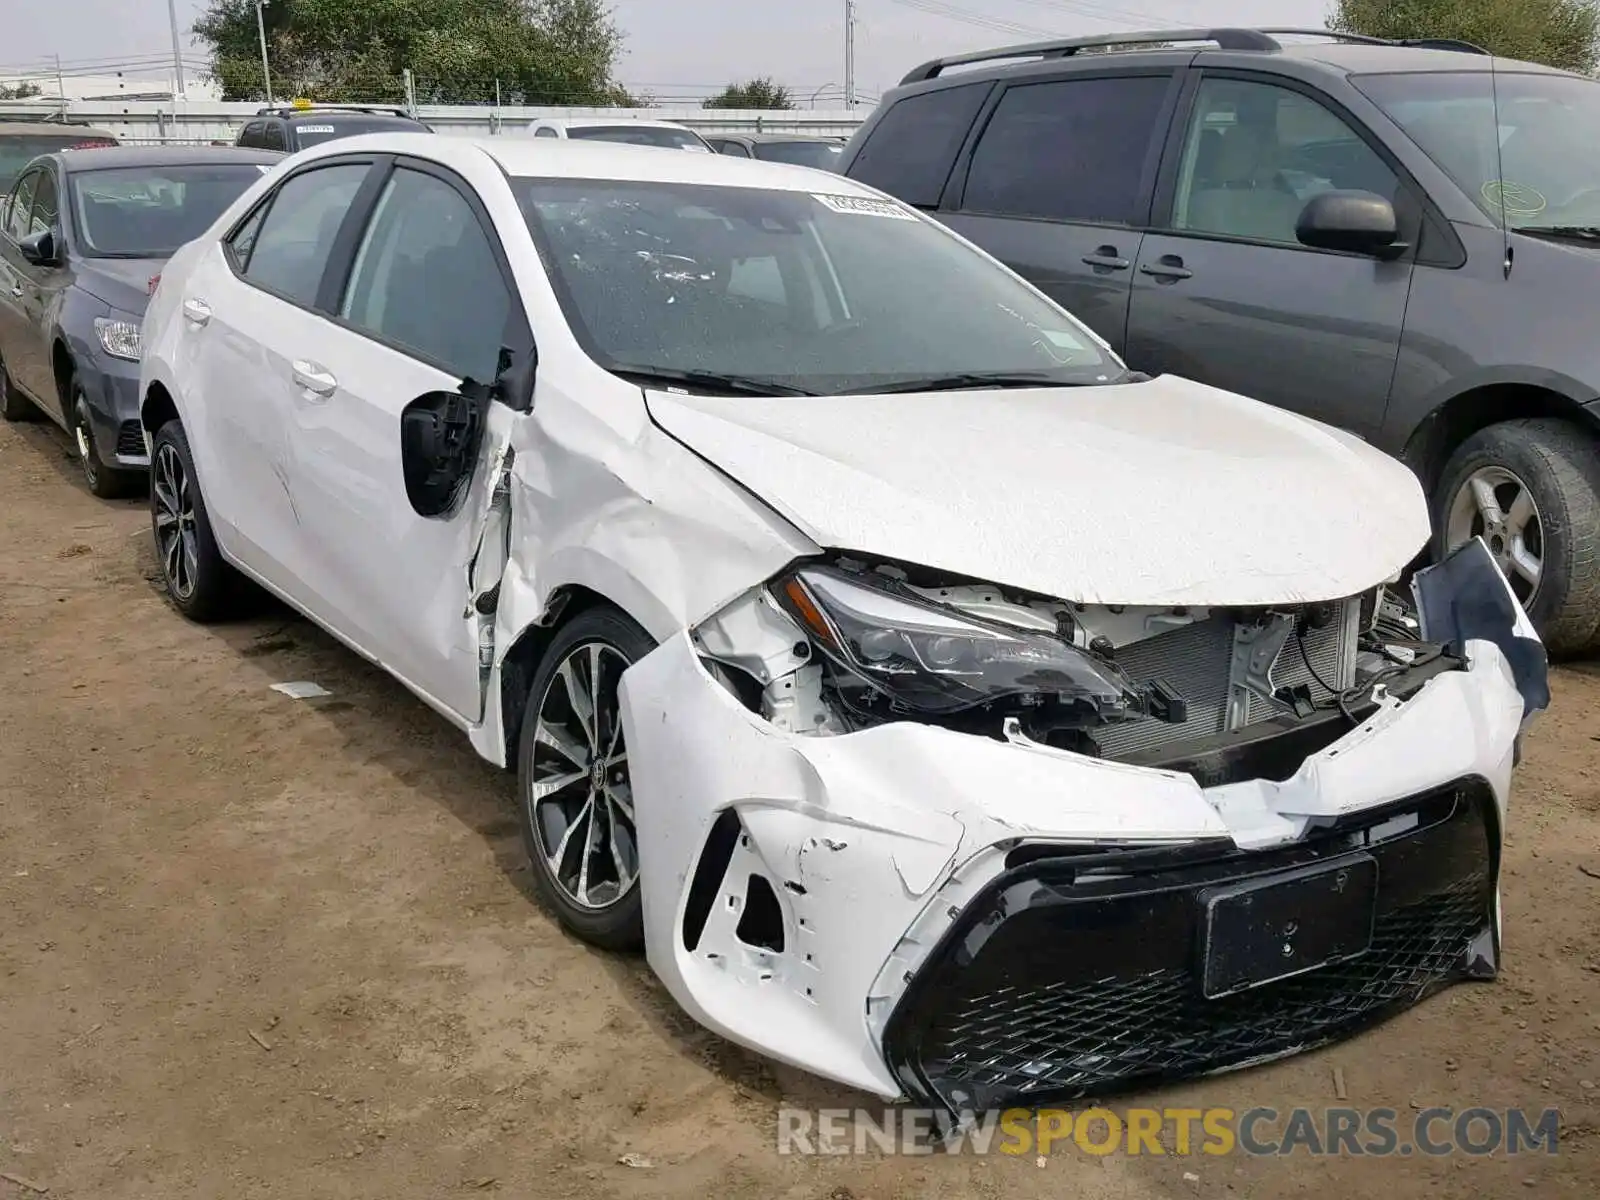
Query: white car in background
x,y
944,708
668,135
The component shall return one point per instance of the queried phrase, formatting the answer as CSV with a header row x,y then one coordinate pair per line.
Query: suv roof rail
x,y
1411,43
1226,39
1262,40
290,110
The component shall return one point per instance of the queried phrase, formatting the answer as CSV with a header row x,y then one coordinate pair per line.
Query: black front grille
x,y
1061,981
130,439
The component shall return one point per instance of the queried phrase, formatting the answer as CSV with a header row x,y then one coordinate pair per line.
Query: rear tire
x,y
574,791
14,406
109,483
1539,479
199,581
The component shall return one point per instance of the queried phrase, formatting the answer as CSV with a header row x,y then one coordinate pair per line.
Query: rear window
x,y
910,151
18,150
326,129
824,155
639,135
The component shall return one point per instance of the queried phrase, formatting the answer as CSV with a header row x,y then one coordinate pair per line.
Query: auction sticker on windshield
x,y
316,129
863,206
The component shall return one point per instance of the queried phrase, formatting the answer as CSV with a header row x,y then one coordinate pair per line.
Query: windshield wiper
x,y
1582,233
974,379
738,385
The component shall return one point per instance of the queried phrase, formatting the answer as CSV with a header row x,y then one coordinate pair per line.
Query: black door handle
x,y
1106,258
1168,266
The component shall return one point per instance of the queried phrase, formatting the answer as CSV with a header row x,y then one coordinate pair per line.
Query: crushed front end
x,y
931,837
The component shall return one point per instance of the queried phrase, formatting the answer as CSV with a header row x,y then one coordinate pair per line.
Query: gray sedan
x,y
83,237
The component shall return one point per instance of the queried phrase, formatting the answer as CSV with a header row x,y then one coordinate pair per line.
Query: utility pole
x,y
61,88
849,53
261,30
177,48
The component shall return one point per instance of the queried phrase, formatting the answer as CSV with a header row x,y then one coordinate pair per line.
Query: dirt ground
x,y
252,946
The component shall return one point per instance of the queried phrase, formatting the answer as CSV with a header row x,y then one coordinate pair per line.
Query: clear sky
x,y
690,48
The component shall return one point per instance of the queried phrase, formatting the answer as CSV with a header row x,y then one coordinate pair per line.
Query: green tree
x,y
537,51
1560,33
20,91
758,93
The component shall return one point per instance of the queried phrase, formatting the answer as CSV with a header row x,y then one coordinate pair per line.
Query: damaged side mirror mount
x,y
440,433
514,379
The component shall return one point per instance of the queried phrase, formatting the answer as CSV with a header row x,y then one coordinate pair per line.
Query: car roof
x,y
550,158
331,113
608,122
46,128
112,157
1355,58
765,138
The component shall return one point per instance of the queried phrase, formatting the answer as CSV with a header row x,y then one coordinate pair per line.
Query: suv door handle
x,y
314,378
1106,258
1168,266
197,312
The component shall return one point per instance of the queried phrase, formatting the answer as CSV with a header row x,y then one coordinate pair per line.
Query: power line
x,y
967,17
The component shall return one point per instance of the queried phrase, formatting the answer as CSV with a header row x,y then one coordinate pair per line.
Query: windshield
x,y
148,212
819,293
18,150
1547,169
805,154
640,135
326,129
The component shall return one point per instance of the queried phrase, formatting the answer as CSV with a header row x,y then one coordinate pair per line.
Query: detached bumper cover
x,y
1076,974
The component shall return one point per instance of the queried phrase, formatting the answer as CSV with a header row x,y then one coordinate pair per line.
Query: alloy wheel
x,y
87,455
176,539
1496,505
580,801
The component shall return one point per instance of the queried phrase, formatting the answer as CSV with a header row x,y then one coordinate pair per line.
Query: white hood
x,y
1159,493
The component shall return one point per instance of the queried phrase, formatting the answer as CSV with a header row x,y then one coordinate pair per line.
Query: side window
x,y
1255,153
910,151
734,148
251,134
545,131
244,237
272,136
46,208
1072,150
21,206
426,278
296,236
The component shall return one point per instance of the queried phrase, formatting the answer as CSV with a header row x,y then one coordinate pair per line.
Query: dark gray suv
x,y
1402,239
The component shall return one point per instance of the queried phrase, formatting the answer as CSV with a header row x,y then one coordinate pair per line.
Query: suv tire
x,y
1559,465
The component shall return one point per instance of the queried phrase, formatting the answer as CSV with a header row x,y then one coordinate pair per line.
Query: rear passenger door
x,y
1058,182
1225,294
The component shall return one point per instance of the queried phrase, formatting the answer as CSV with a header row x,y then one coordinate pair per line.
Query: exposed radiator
x,y
1196,660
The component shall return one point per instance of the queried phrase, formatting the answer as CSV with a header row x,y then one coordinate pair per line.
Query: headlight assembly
x,y
120,339
934,660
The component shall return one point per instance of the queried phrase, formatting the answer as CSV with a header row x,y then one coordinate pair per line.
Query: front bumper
x,y
845,904
111,387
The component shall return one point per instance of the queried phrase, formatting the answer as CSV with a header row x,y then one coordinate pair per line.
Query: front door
x,y
16,335
1225,294
429,304
1058,187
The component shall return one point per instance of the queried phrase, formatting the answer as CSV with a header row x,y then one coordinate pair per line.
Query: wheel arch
x,y
157,408
62,368
521,660
1432,443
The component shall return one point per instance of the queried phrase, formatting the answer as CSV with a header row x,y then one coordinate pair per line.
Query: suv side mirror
x,y
39,248
1351,221
440,433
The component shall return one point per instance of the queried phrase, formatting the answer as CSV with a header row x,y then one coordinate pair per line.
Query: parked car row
x,y
1401,240
944,707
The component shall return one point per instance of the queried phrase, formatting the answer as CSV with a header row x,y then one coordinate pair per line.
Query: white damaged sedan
x,y
944,708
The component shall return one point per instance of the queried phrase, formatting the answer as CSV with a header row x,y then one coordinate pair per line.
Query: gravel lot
x,y
253,946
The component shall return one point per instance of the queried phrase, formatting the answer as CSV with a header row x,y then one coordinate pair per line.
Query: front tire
x,y
14,406
1531,489
574,792
109,483
199,581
